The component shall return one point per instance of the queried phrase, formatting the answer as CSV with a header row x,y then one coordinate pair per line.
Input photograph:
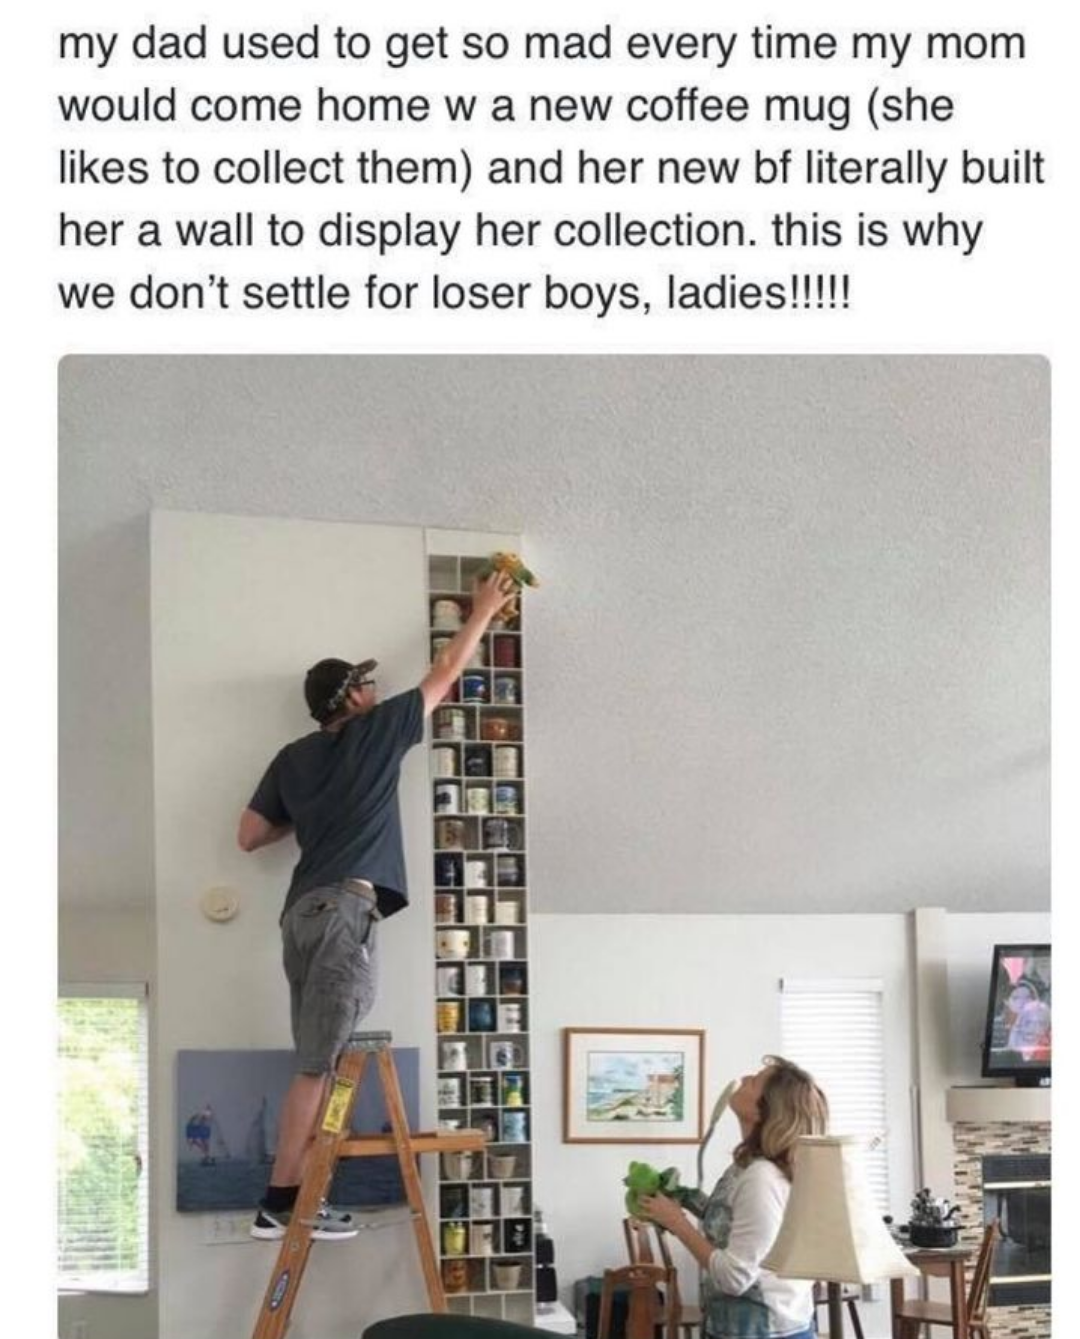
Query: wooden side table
x,y
945,1263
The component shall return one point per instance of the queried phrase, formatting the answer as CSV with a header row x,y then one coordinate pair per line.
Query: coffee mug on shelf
x,y
500,944
477,909
474,688
446,909
458,1166
481,1090
448,980
503,1054
449,834
512,1201
511,982
501,1166
452,943
515,1126
450,723
481,1203
478,799
507,761
453,1202
478,760
453,1055
507,798
477,981
444,762
505,689
507,1275
481,1015
476,874
450,1089
448,871
446,615
455,1275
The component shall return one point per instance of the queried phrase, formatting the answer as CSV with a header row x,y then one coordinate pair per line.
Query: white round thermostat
x,y
219,904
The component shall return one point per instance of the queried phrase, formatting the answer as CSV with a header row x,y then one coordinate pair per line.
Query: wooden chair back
x,y
646,1241
979,1291
645,1308
638,1234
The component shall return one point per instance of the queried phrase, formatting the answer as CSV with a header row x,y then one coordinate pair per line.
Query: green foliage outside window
x,y
101,1203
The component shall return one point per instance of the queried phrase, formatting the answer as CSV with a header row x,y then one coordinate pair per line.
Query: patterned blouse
x,y
742,1216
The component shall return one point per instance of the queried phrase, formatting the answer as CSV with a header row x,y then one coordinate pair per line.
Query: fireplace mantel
x,y
984,1105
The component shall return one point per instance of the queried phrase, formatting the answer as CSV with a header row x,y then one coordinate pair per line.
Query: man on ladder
x,y
336,790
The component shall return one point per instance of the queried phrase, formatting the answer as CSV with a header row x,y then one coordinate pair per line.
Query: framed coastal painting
x,y
633,1085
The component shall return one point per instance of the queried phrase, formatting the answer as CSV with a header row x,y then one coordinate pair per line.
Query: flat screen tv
x,y
1018,1017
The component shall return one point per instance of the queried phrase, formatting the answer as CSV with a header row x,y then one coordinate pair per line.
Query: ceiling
x,y
792,648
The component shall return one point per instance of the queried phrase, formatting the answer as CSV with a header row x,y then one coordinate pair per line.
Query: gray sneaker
x,y
328,1224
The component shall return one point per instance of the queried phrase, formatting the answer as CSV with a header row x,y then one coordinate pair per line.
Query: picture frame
x,y
633,1085
227,1112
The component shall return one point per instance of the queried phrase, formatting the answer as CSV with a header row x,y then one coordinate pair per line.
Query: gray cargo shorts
x,y
328,949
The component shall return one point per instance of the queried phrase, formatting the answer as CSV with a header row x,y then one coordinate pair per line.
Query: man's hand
x,y
490,594
488,597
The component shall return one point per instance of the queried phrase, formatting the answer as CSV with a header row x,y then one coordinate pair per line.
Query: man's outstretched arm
x,y
488,597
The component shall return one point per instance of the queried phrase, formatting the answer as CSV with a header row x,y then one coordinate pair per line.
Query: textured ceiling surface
x,y
792,651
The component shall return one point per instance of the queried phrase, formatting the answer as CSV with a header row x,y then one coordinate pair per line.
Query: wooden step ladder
x,y
333,1141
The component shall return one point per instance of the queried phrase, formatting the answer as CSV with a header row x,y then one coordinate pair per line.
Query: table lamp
x,y
832,1231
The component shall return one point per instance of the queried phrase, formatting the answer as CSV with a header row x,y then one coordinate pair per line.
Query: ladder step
x,y
369,1041
429,1141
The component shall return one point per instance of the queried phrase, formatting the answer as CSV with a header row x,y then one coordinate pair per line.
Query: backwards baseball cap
x,y
327,684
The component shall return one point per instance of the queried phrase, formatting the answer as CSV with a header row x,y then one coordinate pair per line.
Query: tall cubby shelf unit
x,y
481,932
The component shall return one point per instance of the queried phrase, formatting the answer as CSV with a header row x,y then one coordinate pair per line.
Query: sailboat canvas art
x,y
227,1104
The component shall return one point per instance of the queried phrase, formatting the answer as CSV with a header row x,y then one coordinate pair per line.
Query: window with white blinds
x,y
835,1030
103,1217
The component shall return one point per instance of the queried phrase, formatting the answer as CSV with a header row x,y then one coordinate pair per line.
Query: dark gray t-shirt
x,y
339,790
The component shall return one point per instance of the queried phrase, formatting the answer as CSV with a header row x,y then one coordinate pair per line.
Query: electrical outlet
x,y
227,1229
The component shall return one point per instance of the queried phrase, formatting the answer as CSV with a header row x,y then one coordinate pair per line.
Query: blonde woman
x,y
742,1216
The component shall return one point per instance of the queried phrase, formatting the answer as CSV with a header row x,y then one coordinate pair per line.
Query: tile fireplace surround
x,y
972,1141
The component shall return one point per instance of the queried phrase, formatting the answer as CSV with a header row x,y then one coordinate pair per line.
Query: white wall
x,y
717,972
104,946
240,608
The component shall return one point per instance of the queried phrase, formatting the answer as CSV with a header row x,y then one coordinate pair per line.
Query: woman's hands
x,y
663,1210
666,1213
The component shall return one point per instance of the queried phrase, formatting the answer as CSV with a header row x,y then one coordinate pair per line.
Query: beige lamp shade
x,y
831,1229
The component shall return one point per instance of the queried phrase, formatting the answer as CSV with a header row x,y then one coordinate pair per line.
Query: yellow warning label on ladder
x,y
337,1108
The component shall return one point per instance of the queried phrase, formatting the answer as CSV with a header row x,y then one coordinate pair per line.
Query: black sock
x,y
279,1199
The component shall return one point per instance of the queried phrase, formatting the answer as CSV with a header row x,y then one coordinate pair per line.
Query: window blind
x,y
835,1030
102,1218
